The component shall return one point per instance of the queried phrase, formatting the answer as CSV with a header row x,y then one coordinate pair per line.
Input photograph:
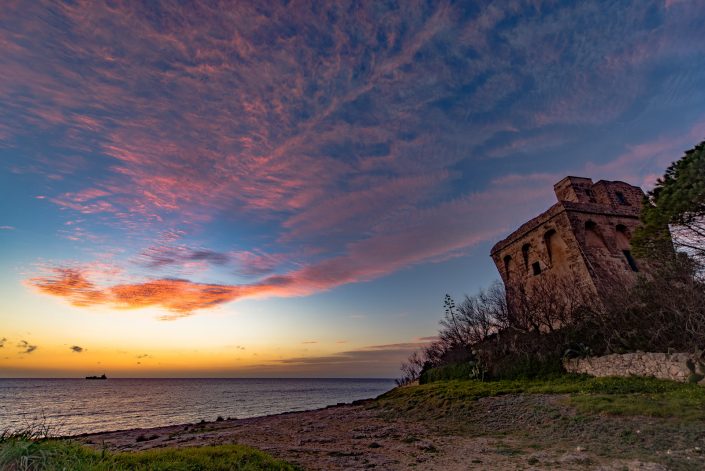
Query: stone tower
x,y
583,238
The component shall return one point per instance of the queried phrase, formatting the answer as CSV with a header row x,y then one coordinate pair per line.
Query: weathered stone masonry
x,y
583,238
674,366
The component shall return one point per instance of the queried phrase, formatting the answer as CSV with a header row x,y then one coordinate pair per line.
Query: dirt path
x,y
505,432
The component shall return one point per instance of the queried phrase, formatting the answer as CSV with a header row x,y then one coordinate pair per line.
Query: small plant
x,y
23,445
696,366
477,370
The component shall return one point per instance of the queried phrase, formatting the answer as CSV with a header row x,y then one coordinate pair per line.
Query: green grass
x,y
461,371
20,453
616,396
686,404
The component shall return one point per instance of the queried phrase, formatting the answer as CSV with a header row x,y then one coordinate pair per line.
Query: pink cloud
x,y
257,262
434,234
670,3
638,163
202,116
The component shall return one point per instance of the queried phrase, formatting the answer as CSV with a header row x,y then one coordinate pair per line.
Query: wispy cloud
x,y
7,228
388,355
657,152
165,256
465,223
317,146
25,347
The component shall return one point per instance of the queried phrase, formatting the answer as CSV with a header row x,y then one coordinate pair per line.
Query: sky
x,y
257,189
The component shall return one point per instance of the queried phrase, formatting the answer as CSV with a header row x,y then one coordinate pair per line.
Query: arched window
x,y
556,248
508,266
621,199
593,237
525,253
549,241
623,237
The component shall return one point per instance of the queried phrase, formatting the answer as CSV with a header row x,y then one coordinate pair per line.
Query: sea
x,y
75,406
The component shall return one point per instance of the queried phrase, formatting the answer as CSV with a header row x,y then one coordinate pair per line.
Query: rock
x,y
425,445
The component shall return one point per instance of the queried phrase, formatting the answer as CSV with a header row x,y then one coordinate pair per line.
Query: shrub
x,y
660,312
529,367
466,370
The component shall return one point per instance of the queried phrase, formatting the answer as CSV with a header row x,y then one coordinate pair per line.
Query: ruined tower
x,y
583,238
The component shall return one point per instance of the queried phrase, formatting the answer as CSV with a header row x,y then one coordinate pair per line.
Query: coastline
x,y
205,422
74,406
337,437
508,431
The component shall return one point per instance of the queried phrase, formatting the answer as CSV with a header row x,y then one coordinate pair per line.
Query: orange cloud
x,y
71,284
465,223
179,297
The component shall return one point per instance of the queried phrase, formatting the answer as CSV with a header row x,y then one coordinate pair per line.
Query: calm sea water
x,y
73,406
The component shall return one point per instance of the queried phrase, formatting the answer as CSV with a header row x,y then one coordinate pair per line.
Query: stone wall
x,y
673,366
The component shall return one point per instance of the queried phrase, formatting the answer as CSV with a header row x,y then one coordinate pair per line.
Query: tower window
x,y
548,239
593,236
508,266
536,266
525,253
621,199
630,260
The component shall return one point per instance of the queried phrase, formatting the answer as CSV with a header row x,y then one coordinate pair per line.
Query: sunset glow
x,y
283,189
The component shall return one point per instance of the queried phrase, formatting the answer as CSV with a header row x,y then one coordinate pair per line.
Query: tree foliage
x,y
677,201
